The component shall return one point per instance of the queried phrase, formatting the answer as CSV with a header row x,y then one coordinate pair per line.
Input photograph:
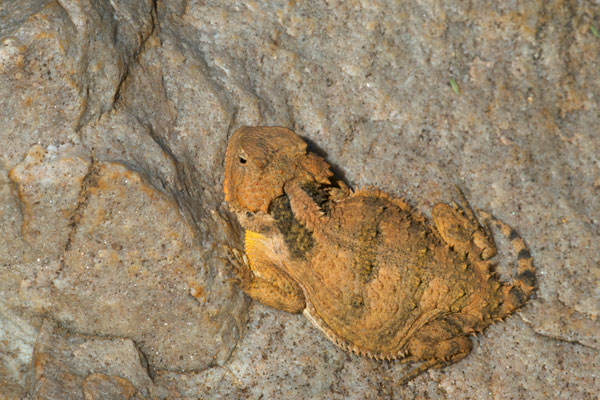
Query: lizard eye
x,y
242,160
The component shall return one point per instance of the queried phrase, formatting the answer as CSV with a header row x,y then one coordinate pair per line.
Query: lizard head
x,y
258,162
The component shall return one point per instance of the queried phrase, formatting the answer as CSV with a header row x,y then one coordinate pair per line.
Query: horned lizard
x,y
365,268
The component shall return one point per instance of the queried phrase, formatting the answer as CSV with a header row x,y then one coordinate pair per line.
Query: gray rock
x,y
114,118
70,366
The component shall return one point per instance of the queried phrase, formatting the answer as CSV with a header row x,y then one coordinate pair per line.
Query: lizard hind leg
x,y
441,354
458,226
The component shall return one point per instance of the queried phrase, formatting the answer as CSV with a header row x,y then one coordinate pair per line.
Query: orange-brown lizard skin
x,y
366,268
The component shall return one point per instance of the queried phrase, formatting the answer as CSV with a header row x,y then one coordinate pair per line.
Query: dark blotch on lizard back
x,y
298,239
318,193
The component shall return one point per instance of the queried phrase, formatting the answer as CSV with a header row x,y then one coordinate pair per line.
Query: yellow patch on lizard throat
x,y
254,246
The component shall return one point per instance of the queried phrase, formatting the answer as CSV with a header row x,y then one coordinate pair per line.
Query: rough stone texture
x,y
114,118
73,366
107,280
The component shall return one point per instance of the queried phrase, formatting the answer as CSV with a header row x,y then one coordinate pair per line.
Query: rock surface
x,y
75,366
115,278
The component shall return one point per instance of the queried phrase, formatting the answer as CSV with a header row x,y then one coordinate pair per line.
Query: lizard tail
x,y
517,291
